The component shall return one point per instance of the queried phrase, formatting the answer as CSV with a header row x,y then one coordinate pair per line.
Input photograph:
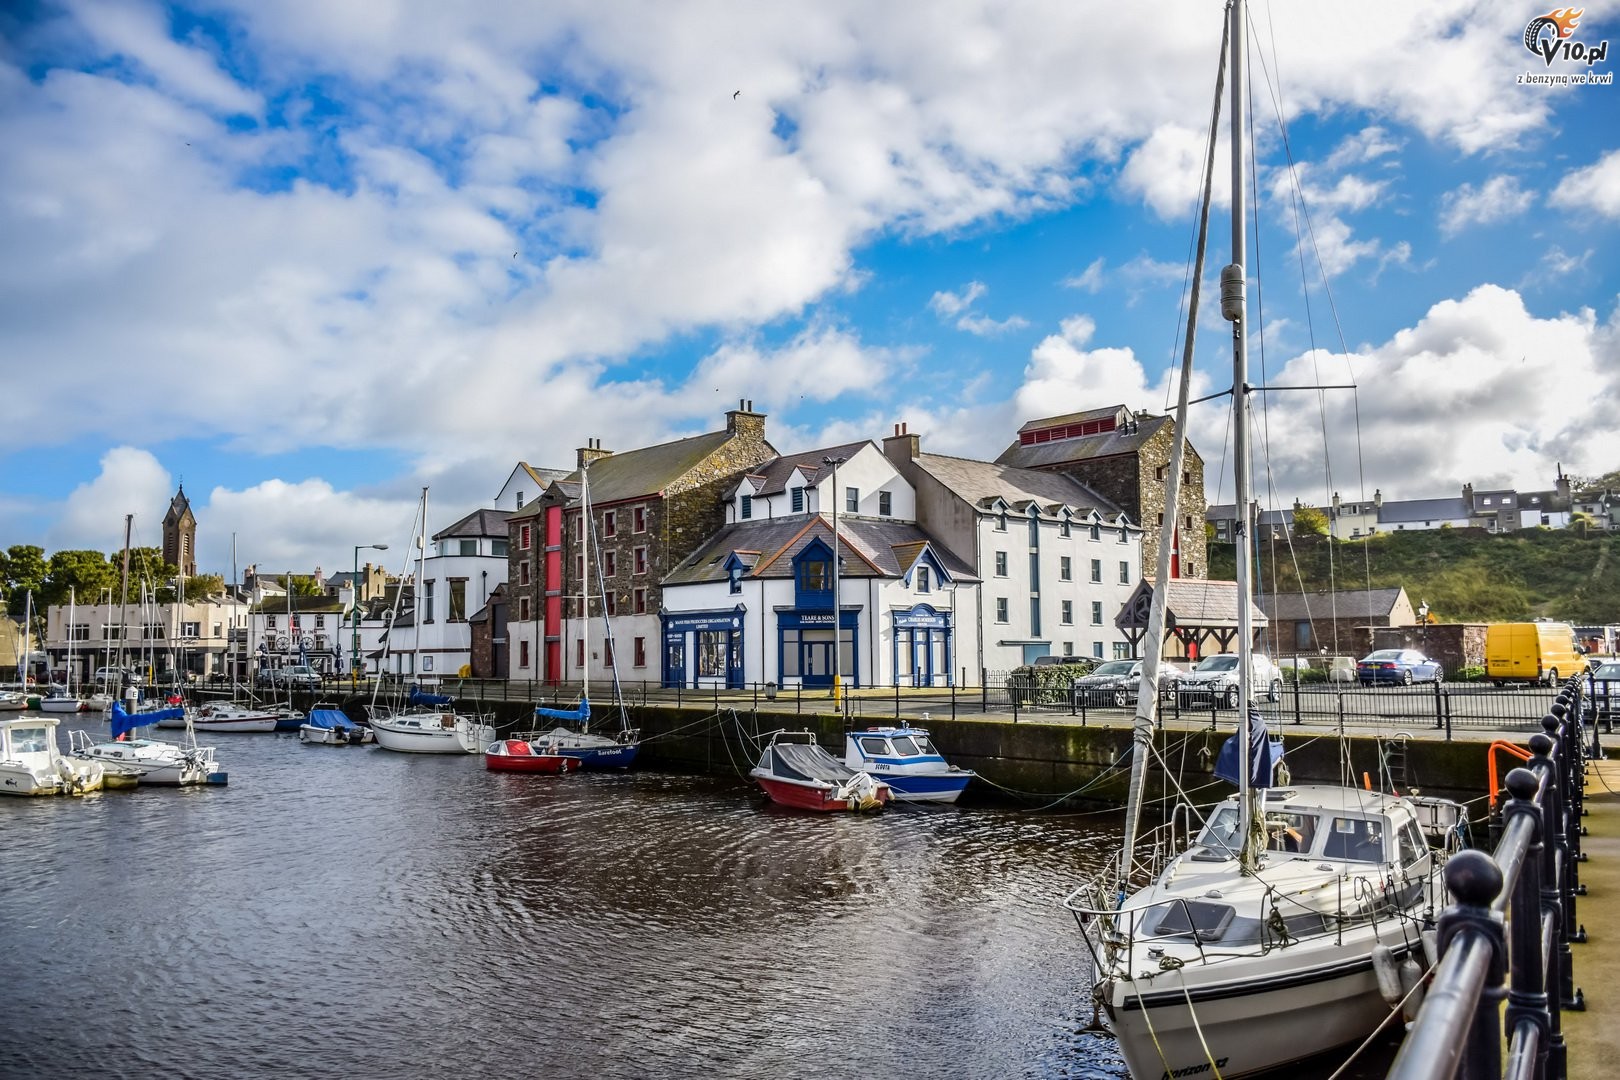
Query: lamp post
x,y
354,644
1423,618
838,614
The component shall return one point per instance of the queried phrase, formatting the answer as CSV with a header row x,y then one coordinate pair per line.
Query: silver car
x,y
1116,683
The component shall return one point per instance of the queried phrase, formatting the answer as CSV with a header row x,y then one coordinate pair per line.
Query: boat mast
x,y
421,587
587,526
1234,301
123,600
71,611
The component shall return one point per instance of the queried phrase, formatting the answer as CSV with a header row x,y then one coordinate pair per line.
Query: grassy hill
x,y
1467,575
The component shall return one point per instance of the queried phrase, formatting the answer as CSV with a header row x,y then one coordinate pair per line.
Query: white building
x,y
464,563
525,484
194,637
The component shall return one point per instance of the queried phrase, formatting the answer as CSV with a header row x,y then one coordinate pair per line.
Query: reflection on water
x,y
352,912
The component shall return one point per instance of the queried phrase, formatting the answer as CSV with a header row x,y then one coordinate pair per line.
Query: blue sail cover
x,y
580,712
1264,754
335,719
122,722
422,697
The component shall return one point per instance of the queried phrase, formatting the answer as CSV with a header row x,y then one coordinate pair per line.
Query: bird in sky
x,y
735,94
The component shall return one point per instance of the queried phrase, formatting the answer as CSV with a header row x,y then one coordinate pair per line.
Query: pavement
x,y
1593,1036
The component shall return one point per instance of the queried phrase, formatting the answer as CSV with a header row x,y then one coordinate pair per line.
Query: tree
x,y
303,585
88,574
146,567
203,586
22,570
1309,521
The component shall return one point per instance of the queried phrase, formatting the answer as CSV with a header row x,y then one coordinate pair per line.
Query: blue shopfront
x,y
804,643
922,646
704,648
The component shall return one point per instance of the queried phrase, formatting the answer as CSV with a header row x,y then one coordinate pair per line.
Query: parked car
x,y
1216,679
293,675
116,676
1398,667
1606,692
1116,683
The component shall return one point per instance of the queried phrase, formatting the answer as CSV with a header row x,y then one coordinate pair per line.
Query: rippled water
x,y
351,912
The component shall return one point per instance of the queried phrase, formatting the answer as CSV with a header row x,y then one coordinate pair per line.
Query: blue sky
x,y
311,256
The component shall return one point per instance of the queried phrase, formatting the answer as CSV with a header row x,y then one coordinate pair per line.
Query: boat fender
x,y
1389,978
1411,996
1431,946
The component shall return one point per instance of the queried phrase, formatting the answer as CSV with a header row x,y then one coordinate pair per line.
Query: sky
x,y
309,257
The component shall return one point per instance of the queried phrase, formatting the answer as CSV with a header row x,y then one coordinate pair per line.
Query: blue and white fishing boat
x,y
906,760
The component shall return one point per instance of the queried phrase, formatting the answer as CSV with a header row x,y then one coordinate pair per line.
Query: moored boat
x,y
59,700
906,760
32,762
795,771
149,760
233,716
430,724
330,726
523,756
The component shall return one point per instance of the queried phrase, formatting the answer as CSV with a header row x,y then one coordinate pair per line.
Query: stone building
x,y
1332,624
1125,457
180,534
650,509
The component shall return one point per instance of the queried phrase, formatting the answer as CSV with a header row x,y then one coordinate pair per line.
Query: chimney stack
x,y
591,451
902,446
744,421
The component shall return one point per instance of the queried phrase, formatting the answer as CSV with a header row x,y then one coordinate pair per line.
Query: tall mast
x,y
421,593
71,615
587,526
123,595
1234,301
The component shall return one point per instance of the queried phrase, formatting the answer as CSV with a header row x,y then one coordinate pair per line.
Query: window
x,y
579,527
1067,616
1158,474
1063,526
523,609
1124,572
1124,537
523,572
885,506
1001,522
610,563
1068,648
579,653
520,500
1096,531
579,568
1161,519
1034,616
1001,609
747,506
1096,614
1122,650
1065,568
610,523
640,652
1096,569
640,599
269,622
641,560
498,547
798,500
736,579
320,623
81,632
1001,564
1096,649
523,654
1034,571
711,652
610,603
815,575
427,603
922,579
523,537
468,547
187,629
638,519
852,500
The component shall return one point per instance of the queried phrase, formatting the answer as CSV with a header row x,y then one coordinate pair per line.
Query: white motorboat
x,y
148,760
330,726
98,703
905,758
1292,921
13,701
32,762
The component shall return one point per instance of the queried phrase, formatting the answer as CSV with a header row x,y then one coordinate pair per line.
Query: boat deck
x,y
1593,1036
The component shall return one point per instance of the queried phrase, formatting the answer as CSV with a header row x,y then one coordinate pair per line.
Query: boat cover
x,y
1264,754
422,697
580,712
333,719
122,722
805,761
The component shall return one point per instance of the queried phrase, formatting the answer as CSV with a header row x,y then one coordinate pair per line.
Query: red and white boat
x,y
519,755
795,771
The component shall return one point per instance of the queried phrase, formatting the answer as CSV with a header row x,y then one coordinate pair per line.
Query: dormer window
x,y
747,508
922,579
736,578
798,500
1001,521
885,504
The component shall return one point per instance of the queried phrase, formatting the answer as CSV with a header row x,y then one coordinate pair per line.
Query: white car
x,y
1115,683
1215,679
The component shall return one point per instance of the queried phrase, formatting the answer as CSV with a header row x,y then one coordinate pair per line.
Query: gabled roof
x,y
981,482
870,548
1074,418
479,523
1127,439
779,470
1346,604
1191,603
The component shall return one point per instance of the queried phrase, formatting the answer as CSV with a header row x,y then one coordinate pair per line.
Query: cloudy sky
x,y
309,256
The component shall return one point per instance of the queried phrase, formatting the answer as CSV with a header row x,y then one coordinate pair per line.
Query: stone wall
x,y
1133,482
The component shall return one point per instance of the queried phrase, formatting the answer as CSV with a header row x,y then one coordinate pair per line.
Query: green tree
x,y
303,585
88,574
203,586
147,568
1309,521
22,570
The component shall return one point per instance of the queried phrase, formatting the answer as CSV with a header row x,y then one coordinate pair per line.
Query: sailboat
x,y
430,723
592,749
64,700
1287,921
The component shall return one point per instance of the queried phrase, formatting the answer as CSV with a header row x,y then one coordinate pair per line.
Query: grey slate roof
x,y
1452,509
774,474
981,482
870,548
479,523
1348,604
1072,418
1122,440
645,472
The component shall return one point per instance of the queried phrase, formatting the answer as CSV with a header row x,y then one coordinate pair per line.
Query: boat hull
x,y
602,757
432,733
522,758
925,787
61,705
821,798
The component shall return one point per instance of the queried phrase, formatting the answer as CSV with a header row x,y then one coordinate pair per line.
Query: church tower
x,y
180,534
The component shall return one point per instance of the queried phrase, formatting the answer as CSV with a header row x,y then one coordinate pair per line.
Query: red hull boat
x,y
515,755
795,771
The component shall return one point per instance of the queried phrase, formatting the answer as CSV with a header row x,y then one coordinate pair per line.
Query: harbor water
x,y
351,912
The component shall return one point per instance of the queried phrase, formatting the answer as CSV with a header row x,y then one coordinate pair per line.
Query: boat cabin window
x,y
1412,846
1221,834
1290,832
904,746
1356,839
28,740
923,745
873,746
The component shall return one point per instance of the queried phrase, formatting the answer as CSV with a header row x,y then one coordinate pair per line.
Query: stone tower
x,y
180,534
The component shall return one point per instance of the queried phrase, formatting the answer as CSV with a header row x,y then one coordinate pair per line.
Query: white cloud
x,y
948,305
1329,244
1497,199
137,31
131,481
1090,279
1366,145
958,306
1595,187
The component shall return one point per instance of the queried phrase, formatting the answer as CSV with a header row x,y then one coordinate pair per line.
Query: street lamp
x,y
1423,618
354,584
838,614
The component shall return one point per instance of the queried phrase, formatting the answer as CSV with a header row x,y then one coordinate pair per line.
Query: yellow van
x,y
1540,652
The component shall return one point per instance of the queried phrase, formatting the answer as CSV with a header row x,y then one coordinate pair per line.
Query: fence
x,y
1532,879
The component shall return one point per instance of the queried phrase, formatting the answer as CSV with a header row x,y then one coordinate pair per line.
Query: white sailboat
x,y
64,701
1288,920
429,723
592,749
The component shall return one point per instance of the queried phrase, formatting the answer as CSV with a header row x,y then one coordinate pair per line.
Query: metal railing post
x,y
1298,719
1439,709
1528,1011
